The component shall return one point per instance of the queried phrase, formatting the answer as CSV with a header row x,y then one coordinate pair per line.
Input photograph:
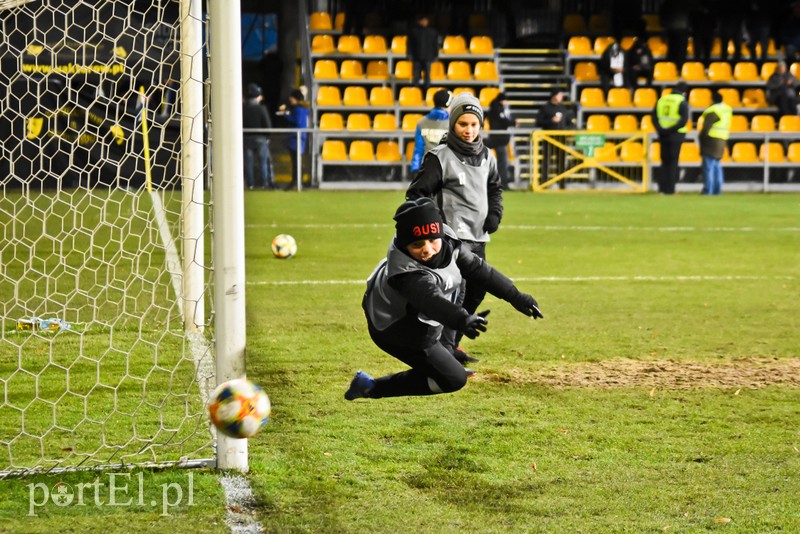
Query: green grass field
x,y
660,392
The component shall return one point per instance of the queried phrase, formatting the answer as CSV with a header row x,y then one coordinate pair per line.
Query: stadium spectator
x,y
423,49
500,120
461,174
639,63
612,67
703,21
296,114
675,20
790,33
411,299
782,90
731,23
554,115
669,118
760,15
256,145
431,128
714,126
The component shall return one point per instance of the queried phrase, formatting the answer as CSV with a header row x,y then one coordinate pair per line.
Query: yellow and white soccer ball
x,y
284,246
239,408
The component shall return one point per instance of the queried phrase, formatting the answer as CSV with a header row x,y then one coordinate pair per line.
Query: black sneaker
x,y
462,357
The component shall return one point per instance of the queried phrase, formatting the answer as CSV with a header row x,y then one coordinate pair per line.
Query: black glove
x,y
526,304
475,324
491,223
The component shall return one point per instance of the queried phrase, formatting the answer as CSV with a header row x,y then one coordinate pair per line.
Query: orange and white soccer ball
x,y
239,408
284,246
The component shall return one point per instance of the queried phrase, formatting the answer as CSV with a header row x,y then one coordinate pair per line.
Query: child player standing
x,y
412,296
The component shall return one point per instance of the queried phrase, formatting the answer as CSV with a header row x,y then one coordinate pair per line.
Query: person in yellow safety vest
x,y
715,128
669,118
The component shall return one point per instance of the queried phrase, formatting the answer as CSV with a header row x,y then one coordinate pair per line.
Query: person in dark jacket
x,y
782,90
423,48
461,174
431,128
411,297
639,63
296,115
669,118
256,145
500,121
555,115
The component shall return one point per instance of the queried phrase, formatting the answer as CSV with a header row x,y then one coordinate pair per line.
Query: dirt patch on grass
x,y
667,374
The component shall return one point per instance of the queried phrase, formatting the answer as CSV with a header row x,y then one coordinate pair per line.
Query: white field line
x,y
687,278
555,228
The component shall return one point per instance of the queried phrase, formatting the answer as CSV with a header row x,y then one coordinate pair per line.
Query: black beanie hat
x,y
416,220
441,99
253,90
297,94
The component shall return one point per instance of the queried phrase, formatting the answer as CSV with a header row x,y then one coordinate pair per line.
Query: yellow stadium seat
x,y
627,42
377,70
762,123
771,49
631,152
744,152
700,97
325,69
658,46
410,97
481,45
459,90
793,154
429,95
388,151
794,68
754,98
320,21
322,44
374,44
626,123
349,44
739,123
645,97
606,153
726,156
599,24
730,96
351,69
767,69
361,151
601,43
437,71
665,71
579,45
647,124
409,153
410,121
598,123
586,71
716,47
399,43
486,71
381,97
358,121
720,71
403,70
459,70
355,95
789,123
334,150
592,97
655,152
573,24
331,121
619,97
454,44
329,95
772,152
487,94
746,71
384,121
693,71
338,21
690,153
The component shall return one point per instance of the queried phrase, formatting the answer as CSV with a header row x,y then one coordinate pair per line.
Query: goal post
x,y
107,349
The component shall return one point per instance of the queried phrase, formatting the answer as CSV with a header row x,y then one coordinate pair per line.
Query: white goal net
x,y
104,280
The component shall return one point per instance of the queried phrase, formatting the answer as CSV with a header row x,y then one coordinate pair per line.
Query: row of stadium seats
x,y
743,152
582,45
627,123
362,121
646,97
383,97
352,69
694,72
479,45
335,150
321,21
